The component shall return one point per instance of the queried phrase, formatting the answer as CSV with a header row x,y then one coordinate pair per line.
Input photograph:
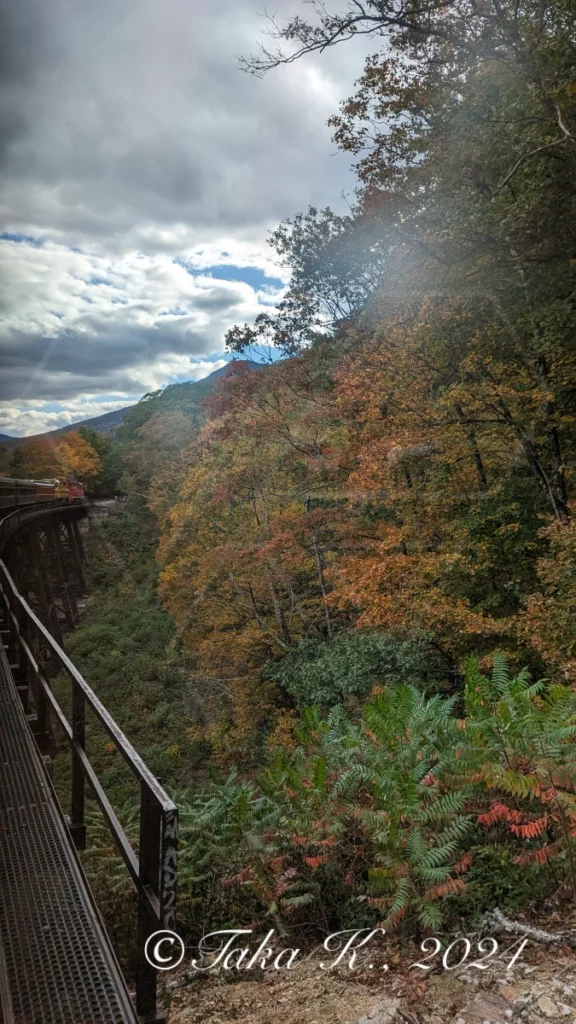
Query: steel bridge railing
x,y
154,870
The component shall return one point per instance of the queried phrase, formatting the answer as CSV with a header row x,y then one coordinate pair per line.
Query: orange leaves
x,y
541,856
451,886
531,829
515,820
389,589
43,457
463,865
396,917
499,812
315,862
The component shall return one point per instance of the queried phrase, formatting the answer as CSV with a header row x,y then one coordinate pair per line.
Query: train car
x,y
14,493
74,489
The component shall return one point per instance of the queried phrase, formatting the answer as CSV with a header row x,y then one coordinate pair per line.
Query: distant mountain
x,y
105,424
186,396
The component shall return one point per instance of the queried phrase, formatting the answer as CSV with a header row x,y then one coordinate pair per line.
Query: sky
x,y
141,172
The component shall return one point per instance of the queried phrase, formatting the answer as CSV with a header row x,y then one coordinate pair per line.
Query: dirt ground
x,y
540,986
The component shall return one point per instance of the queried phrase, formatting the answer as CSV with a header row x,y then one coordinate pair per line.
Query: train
x,y
14,493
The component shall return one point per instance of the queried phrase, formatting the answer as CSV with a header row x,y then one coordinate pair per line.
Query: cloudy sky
x,y
141,173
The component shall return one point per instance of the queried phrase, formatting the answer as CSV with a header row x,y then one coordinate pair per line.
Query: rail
x,y
154,870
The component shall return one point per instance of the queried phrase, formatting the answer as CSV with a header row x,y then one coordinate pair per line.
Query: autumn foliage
x,y
44,458
367,544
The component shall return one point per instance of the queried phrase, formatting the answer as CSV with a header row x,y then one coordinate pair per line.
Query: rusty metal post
x,y
149,860
168,867
78,826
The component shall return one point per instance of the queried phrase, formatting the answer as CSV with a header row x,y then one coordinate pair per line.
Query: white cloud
x,y
74,321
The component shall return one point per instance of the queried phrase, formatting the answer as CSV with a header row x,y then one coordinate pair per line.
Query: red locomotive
x,y
14,493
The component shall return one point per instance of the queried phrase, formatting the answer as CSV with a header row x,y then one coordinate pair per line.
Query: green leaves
x,y
350,664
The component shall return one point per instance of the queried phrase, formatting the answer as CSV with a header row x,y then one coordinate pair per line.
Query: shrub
x,y
351,665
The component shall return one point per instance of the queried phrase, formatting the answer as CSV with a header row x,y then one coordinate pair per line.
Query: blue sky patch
x,y
8,236
253,276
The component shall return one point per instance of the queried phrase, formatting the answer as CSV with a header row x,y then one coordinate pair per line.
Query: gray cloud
x,y
112,359
136,109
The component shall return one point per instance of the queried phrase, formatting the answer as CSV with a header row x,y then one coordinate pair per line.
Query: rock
x,y
547,1006
558,985
485,1008
512,992
384,1013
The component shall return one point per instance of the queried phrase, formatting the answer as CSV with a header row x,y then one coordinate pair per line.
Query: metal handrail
x,y
154,870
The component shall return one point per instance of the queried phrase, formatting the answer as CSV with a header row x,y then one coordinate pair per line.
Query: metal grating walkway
x,y
56,963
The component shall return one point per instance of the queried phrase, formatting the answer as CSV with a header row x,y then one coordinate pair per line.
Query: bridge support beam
x,y
57,553
77,548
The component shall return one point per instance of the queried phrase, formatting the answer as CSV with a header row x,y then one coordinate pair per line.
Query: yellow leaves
x,y
44,458
547,624
390,590
282,737
77,456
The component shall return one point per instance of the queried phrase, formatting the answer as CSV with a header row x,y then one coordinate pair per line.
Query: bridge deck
x,y
56,963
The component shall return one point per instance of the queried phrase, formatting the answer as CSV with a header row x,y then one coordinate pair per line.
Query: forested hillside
x,y
367,547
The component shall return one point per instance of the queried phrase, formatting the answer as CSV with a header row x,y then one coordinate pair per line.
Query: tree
x,y
155,461
336,266
5,460
464,128
77,456
372,18
106,483
39,458
547,623
16,463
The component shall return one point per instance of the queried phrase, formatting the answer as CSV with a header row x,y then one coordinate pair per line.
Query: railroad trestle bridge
x,y
57,965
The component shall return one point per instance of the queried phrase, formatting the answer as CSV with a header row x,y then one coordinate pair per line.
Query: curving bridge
x,y
57,965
